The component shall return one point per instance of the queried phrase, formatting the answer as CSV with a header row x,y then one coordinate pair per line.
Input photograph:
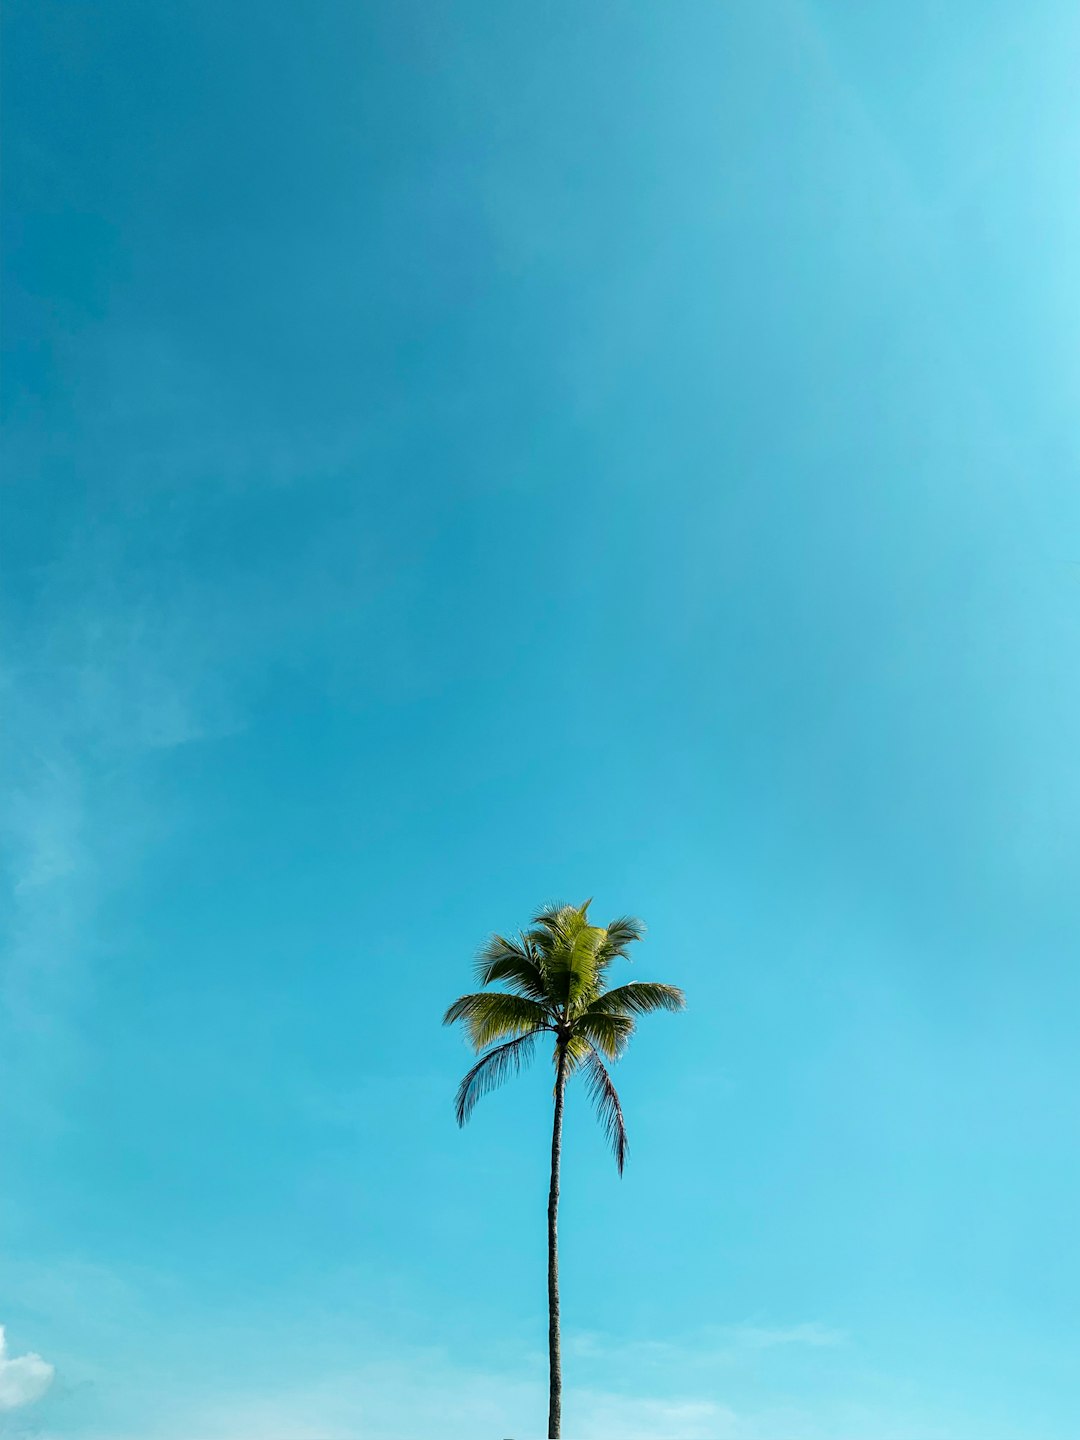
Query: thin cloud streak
x,y
725,1344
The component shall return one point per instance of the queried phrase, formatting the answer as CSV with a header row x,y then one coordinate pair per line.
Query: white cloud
x,y
23,1378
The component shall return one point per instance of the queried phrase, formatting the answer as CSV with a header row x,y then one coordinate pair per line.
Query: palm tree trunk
x,y
554,1357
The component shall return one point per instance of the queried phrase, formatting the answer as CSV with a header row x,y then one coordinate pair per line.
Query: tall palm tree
x,y
556,984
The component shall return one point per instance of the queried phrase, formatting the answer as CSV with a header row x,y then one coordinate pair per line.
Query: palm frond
x,y
576,1048
514,963
641,997
608,1033
551,928
490,1071
569,945
549,915
583,970
621,934
494,1015
608,1109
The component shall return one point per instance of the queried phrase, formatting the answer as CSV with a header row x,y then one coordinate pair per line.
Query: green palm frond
x,y
562,914
490,1071
549,917
608,1109
582,968
577,1050
494,1015
641,997
621,934
514,962
610,1034
570,947
555,926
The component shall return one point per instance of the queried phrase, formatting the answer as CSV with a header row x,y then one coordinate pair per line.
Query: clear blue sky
x,y
463,455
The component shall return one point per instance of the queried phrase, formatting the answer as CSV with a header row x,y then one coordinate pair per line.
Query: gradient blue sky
x,y
466,455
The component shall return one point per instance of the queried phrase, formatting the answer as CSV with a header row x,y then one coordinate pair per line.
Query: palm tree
x,y
556,979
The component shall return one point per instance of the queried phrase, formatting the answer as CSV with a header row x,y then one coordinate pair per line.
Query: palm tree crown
x,y
556,982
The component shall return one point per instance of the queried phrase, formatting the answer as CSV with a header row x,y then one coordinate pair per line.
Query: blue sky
x,y
461,456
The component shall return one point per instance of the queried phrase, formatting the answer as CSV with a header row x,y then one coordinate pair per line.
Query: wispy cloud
x,y
720,1344
89,693
765,1337
424,1394
23,1378
602,1415
116,654
246,1376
